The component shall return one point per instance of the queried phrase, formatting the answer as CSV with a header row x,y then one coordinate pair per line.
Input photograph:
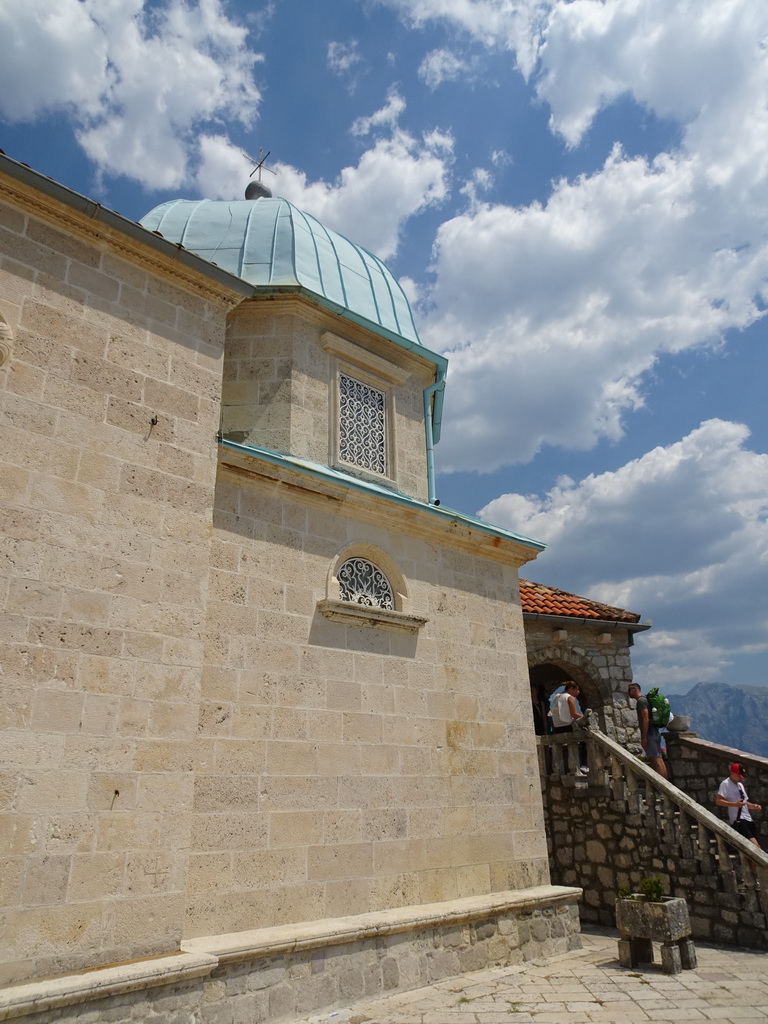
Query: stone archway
x,y
551,666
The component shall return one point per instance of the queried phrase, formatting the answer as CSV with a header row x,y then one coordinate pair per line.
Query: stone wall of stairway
x,y
698,767
598,843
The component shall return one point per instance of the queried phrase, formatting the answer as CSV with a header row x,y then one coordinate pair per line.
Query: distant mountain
x,y
736,716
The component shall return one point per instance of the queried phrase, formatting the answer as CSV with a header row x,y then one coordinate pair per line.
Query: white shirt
x,y
561,710
730,790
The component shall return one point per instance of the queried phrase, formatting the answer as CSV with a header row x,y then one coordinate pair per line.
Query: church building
x,y
266,722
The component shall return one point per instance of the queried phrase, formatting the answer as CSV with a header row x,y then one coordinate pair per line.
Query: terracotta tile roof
x,y
536,597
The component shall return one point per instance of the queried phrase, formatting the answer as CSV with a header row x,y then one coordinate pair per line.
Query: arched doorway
x,y
549,676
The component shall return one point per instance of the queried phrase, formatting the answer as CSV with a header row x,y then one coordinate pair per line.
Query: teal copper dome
x,y
277,248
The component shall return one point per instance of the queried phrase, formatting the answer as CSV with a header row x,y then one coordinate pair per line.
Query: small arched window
x,y
359,592
362,582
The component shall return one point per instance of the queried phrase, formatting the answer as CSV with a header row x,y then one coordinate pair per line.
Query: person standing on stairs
x,y
650,735
733,795
565,711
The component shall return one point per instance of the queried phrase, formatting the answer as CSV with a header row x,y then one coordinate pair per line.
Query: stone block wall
x,y
279,390
190,745
291,975
347,768
595,844
108,410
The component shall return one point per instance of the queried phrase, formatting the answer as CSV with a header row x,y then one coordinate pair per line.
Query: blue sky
x,y
574,195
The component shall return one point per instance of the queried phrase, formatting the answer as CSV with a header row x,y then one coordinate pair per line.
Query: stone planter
x,y
641,923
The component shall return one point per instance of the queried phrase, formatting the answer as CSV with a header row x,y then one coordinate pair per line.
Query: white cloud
x,y
441,66
138,80
554,312
343,58
557,310
679,535
223,170
397,178
480,181
386,117
691,61
513,25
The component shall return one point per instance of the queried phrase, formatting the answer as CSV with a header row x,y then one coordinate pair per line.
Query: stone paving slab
x,y
586,986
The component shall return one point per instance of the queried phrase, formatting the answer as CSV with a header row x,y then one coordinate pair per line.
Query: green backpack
x,y
659,707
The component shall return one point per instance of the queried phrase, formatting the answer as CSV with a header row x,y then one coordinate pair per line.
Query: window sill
x,y
365,615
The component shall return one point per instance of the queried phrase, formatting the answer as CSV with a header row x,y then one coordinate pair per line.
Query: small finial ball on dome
x,y
258,190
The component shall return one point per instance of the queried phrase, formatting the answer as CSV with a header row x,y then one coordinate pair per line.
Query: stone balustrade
x,y
622,821
698,767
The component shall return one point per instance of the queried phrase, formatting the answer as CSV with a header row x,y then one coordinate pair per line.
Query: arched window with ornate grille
x,y
365,586
362,582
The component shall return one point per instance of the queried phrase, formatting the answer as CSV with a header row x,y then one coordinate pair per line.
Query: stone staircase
x,y
622,821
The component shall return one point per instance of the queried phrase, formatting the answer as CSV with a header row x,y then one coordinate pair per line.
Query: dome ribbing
x,y
276,247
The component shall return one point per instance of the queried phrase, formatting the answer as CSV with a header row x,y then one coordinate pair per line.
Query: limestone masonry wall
x,y
197,737
280,371
342,768
108,408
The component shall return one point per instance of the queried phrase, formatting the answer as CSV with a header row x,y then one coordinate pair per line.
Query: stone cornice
x,y
429,523
56,205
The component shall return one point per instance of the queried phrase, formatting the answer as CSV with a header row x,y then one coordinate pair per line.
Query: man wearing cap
x,y
733,795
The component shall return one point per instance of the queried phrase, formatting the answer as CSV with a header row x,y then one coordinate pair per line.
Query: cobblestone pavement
x,y
587,985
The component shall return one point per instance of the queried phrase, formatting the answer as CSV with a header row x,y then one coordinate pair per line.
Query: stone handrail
x,y
699,834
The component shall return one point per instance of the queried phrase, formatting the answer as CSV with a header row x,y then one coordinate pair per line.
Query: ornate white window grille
x,y
362,582
362,425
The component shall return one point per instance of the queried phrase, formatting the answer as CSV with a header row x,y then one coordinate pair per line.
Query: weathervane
x,y
257,189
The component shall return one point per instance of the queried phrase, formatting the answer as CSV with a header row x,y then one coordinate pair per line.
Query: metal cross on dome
x,y
260,165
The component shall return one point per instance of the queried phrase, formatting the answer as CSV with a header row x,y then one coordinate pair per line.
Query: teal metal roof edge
x,y
299,289
90,208
334,476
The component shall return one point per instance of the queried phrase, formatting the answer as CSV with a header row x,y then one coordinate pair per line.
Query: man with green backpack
x,y
650,719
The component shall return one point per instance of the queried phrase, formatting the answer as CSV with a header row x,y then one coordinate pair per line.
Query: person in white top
x,y
733,795
565,711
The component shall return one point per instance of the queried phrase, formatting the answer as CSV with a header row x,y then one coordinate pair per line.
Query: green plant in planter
x,y
649,889
647,916
652,889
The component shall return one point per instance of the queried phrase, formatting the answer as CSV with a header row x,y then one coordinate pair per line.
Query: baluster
x,y
648,807
685,831
762,895
633,795
556,754
562,747
543,750
670,820
598,767
617,778
725,865
747,874
653,809
574,756
704,843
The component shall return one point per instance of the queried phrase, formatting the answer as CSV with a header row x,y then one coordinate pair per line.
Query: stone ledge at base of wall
x,y
278,973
